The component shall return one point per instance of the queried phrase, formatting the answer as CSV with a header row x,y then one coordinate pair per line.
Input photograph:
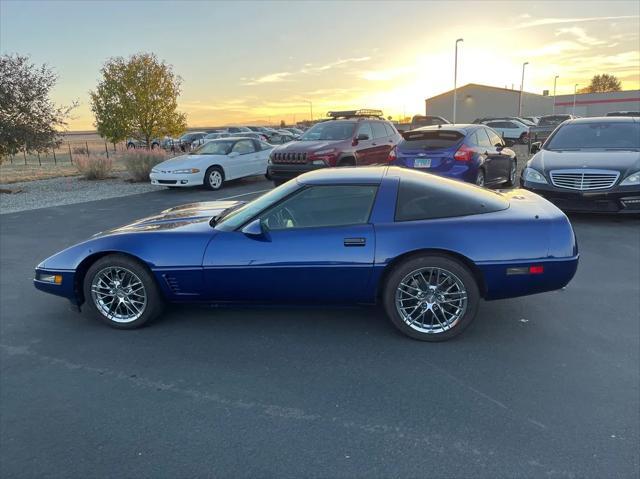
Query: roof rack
x,y
355,114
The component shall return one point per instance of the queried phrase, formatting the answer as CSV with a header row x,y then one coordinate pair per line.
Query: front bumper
x,y
66,288
624,200
286,171
170,179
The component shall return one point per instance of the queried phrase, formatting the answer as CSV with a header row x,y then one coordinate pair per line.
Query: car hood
x,y
625,162
307,146
180,218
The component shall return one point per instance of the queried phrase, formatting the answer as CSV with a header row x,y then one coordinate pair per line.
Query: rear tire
x,y
513,169
121,292
446,305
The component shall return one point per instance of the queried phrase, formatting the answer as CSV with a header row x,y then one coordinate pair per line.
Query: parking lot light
x,y
575,91
521,90
455,79
555,79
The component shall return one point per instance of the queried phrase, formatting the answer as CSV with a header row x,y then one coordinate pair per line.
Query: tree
x,y
602,83
137,97
29,119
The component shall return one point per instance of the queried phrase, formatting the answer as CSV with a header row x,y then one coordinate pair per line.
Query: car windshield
x,y
331,130
604,135
214,147
238,217
552,120
429,139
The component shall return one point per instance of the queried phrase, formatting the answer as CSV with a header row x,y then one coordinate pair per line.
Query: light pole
x,y
455,80
555,79
521,89
310,108
575,90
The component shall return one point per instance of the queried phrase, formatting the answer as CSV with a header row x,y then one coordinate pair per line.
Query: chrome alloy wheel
x,y
215,179
431,300
118,294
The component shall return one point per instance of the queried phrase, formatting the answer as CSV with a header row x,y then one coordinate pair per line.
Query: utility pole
x,y
310,108
521,89
455,80
575,90
554,93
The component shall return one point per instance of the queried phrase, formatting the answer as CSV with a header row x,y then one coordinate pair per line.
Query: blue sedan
x,y
427,248
471,153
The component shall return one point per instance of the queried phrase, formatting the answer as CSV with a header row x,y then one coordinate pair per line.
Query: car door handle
x,y
355,241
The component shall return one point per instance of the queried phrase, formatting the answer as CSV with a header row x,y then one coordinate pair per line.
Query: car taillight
x,y
393,155
464,153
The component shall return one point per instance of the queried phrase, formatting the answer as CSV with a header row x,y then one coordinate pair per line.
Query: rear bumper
x,y
623,200
286,171
500,283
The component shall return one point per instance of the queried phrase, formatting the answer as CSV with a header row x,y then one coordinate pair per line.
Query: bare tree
x,y
602,83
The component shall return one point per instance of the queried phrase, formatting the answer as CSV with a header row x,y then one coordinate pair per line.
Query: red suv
x,y
350,138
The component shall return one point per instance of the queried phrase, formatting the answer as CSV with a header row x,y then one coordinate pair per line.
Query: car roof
x,y
605,119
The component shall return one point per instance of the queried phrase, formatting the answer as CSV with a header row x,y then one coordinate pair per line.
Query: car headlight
x,y
186,171
533,176
153,170
269,161
632,179
324,152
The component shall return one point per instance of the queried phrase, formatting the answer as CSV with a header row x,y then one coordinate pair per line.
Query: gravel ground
x,y
66,191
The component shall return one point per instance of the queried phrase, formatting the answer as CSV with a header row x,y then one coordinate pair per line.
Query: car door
x,y
261,158
381,145
318,246
365,149
500,159
241,160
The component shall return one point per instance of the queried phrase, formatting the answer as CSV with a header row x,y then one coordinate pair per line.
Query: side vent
x,y
173,284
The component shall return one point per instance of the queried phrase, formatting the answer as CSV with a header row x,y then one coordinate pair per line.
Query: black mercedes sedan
x,y
588,165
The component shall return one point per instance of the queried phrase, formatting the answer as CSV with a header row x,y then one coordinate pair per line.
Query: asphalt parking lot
x,y
541,386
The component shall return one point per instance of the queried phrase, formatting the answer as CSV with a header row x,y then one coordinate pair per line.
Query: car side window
x,y
483,137
390,129
419,200
365,129
243,146
322,206
509,125
378,130
495,138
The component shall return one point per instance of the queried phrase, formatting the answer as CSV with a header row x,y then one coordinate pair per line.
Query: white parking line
x,y
243,194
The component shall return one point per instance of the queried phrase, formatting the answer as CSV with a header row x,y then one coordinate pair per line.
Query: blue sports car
x,y
471,153
428,248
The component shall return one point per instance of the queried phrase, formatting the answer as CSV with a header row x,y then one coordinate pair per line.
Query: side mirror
x,y
255,230
499,147
535,147
362,136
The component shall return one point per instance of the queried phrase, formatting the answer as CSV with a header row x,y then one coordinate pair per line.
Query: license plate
x,y
422,163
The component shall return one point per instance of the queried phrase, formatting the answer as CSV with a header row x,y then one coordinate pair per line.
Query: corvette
x,y
427,248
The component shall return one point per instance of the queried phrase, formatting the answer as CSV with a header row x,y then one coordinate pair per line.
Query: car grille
x,y
289,157
584,179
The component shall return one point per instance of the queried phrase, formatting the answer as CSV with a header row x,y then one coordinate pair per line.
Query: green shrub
x,y
140,162
94,167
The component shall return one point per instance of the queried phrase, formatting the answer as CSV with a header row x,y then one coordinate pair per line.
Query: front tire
x,y
431,297
121,292
214,178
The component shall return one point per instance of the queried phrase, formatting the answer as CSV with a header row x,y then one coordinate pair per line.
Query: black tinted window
x,y
378,129
552,120
430,139
420,199
595,135
319,206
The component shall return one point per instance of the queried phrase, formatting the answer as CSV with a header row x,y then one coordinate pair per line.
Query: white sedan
x,y
214,163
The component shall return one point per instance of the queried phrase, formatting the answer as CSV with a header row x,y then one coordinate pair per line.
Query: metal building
x,y
477,101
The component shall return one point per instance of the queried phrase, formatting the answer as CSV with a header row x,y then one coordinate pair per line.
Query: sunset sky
x,y
248,62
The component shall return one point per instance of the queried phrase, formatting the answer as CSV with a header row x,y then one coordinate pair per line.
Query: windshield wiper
x,y
220,216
